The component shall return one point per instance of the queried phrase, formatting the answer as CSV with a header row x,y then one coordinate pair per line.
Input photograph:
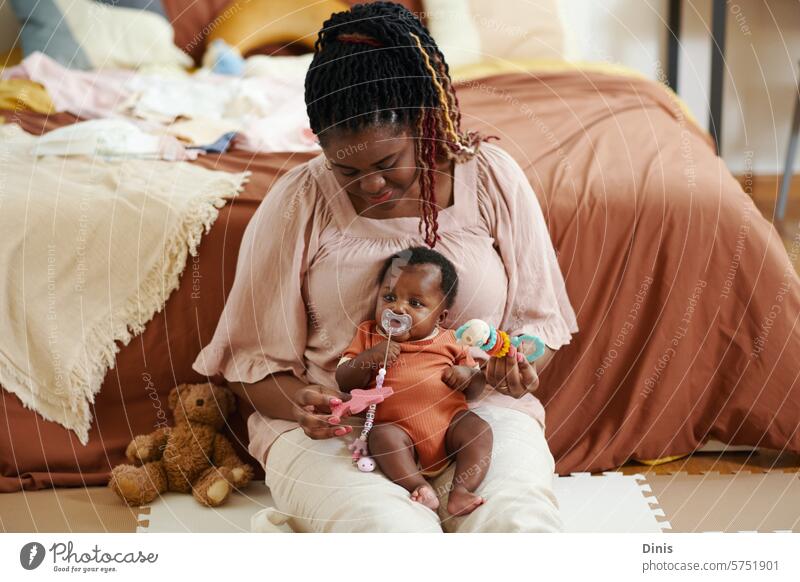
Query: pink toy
x,y
361,400
358,448
365,464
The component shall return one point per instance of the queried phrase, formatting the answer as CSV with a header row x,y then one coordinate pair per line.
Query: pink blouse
x,y
306,276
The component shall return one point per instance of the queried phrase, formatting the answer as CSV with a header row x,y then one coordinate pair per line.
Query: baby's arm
x,y
470,381
358,371
477,383
353,373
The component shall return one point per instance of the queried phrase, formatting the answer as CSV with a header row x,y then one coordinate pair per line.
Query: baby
x,y
425,423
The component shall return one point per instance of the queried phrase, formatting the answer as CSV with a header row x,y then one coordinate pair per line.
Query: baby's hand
x,y
376,354
458,377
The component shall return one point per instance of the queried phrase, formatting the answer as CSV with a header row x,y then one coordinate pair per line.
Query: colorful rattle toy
x,y
497,343
392,323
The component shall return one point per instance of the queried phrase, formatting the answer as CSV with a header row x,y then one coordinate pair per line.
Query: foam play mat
x,y
606,503
611,502
175,512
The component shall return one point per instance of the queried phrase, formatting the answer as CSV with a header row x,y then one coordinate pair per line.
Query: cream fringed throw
x,y
89,252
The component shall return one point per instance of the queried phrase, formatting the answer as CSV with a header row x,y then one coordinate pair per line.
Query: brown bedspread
x,y
686,300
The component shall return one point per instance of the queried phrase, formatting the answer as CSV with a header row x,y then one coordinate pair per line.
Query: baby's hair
x,y
426,256
377,64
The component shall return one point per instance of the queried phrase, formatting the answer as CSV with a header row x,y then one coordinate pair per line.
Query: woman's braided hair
x,y
375,64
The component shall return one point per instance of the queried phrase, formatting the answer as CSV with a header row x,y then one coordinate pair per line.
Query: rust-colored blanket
x,y
687,302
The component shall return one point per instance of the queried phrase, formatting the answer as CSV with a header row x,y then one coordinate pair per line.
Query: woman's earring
x,y
328,164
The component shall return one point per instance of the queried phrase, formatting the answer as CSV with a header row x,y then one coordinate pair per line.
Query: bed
x,y
686,299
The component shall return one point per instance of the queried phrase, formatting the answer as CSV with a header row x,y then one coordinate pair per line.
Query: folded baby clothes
x,y
286,68
108,139
266,107
23,94
220,146
198,132
277,134
203,95
87,94
223,59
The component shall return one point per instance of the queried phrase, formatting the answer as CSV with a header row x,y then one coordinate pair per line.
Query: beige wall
x,y
763,49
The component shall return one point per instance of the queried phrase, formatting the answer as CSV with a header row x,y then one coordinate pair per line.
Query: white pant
x,y
316,485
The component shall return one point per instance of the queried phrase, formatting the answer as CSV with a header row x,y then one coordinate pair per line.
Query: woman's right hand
x,y
312,411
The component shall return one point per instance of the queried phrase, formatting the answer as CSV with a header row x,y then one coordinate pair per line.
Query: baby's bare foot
x,y
462,502
425,495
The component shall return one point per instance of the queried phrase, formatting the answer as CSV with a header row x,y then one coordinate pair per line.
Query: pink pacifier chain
x,y
369,399
359,445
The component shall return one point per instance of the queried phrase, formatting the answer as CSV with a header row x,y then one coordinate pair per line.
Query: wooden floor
x,y
760,461
764,191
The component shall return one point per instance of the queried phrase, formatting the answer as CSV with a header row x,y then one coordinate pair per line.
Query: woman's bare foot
x,y
462,502
425,495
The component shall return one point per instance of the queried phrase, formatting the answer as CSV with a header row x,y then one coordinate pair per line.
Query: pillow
x,y
250,25
153,6
477,31
84,34
44,31
415,6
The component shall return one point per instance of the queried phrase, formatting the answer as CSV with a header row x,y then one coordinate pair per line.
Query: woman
x,y
396,170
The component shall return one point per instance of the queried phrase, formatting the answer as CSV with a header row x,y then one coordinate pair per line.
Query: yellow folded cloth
x,y
19,94
661,461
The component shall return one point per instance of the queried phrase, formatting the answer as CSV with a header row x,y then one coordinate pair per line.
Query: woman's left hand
x,y
512,377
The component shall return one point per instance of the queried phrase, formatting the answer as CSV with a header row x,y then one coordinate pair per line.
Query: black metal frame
x,y
718,29
791,152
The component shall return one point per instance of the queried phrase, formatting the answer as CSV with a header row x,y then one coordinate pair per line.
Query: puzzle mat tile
x,y
180,513
608,503
743,501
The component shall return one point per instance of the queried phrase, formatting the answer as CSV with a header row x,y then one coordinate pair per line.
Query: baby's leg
x,y
469,438
392,449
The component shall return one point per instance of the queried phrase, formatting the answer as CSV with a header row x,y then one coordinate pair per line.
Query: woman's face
x,y
376,166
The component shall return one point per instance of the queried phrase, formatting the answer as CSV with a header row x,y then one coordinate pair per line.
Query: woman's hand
x,y
512,377
312,411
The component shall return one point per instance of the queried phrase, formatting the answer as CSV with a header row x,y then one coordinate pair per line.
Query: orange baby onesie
x,y
422,404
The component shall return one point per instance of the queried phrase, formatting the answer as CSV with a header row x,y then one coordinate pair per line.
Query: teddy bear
x,y
190,456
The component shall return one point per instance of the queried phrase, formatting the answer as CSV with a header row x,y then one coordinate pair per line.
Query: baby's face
x,y
414,290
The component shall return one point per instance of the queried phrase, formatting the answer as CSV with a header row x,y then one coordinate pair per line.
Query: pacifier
x,y
395,323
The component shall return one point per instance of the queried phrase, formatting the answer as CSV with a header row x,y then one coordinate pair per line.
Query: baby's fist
x,y
379,352
457,377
